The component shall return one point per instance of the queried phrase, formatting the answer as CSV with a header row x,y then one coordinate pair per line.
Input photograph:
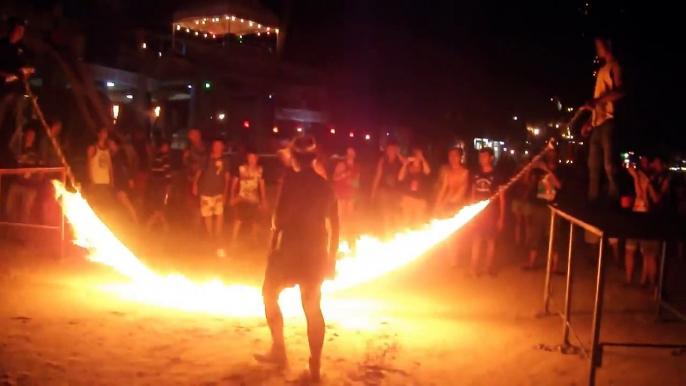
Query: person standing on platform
x,y
212,184
302,253
13,69
488,224
602,152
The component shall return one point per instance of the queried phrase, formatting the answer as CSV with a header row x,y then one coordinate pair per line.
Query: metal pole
x,y
568,293
596,353
661,280
62,235
549,268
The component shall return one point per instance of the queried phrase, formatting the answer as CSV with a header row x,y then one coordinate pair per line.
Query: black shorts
x,y
286,269
247,212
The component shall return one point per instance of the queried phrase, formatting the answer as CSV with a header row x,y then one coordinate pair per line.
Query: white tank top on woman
x,y
100,166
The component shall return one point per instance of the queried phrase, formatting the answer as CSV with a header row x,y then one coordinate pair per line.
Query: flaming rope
x,y
373,258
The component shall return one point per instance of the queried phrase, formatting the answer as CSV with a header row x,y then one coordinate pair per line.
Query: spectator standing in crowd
x,y
452,194
648,248
13,69
486,183
248,195
24,189
159,187
543,184
385,190
123,183
346,179
144,153
99,168
212,186
48,154
521,207
194,158
414,183
608,90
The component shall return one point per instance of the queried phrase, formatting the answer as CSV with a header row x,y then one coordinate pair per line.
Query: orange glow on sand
x,y
373,258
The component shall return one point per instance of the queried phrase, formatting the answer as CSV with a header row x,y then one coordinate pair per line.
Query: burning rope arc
x,y
373,258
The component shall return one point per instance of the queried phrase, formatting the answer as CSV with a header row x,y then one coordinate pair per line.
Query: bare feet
x,y
276,356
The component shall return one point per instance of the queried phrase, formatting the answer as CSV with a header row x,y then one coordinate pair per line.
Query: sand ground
x,y
426,324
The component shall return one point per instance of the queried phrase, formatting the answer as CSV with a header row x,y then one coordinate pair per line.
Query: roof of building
x,y
237,17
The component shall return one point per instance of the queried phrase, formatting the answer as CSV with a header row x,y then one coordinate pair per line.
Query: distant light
x,y
504,149
110,84
367,137
246,124
129,96
557,126
387,134
178,27
537,131
158,109
299,129
208,85
352,135
552,99
159,54
514,118
115,111
570,109
221,116
190,87
511,151
332,131
271,96
275,129
145,45
526,152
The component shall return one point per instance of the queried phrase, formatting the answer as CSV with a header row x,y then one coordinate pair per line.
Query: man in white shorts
x,y
212,185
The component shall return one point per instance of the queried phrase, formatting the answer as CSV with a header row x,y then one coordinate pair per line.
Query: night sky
x,y
469,66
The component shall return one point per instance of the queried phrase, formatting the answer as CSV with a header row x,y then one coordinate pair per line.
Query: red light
x,y
275,129
333,131
352,134
246,124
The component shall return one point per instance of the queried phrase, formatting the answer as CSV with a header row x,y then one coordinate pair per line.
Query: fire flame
x,y
372,259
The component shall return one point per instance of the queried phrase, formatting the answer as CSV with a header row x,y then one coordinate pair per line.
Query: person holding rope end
x,y
301,253
608,90
13,69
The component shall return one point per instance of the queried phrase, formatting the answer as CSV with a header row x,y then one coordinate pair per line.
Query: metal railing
x,y
28,225
595,353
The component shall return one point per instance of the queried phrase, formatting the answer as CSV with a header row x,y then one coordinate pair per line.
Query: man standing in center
x,y
301,252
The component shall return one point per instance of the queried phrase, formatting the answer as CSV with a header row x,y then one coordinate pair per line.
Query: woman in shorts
x,y
248,195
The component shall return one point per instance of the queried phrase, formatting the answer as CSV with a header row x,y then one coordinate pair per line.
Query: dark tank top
x,y
389,174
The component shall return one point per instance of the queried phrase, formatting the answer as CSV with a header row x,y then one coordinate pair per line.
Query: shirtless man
x,y
452,194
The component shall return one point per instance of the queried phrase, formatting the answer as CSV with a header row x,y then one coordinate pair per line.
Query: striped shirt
x,y
161,169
